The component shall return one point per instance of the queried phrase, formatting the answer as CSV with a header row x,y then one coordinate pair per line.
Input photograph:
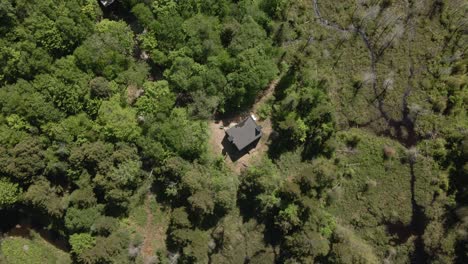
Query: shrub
x,y
370,185
412,155
389,152
81,242
9,193
352,140
264,111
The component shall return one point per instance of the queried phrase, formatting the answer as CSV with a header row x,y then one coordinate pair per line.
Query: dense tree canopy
x,y
110,119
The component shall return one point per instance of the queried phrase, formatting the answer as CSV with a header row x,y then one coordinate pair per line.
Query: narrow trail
x,y
418,222
153,231
147,246
265,95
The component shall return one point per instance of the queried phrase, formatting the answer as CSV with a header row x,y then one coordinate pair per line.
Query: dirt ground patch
x,y
147,248
154,231
240,161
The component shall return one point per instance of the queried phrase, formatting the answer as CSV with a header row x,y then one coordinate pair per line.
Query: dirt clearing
x,y
235,160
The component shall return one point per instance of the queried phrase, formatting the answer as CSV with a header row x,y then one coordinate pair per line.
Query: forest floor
x,y
239,161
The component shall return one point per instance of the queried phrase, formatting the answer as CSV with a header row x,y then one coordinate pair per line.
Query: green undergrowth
x,y
19,250
375,192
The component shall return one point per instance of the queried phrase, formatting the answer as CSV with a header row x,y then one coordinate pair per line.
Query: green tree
x,y
276,8
143,14
203,106
100,88
197,249
69,89
118,123
9,193
157,99
119,183
81,220
203,35
105,225
238,240
259,185
83,198
248,35
212,190
218,8
288,218
181,135
193,243
23,100
38,32
9,136
304,115
316,178
80,242
348,248
25,161
305,245
207,189
75,128
253,71
185,74
164,7
169,34
111,249
46,198
93,157
179,218
108,51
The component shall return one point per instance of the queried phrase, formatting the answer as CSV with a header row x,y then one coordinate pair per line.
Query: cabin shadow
x,y
230,150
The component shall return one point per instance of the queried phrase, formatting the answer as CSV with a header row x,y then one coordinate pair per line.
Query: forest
x,y
109,110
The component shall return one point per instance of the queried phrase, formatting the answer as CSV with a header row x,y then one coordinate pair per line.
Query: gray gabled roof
x,y
106,2
244,133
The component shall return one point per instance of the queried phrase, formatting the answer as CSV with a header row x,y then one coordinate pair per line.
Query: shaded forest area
x,y
104,137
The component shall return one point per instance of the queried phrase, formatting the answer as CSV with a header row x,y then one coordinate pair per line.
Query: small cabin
x,y
106,2
244,133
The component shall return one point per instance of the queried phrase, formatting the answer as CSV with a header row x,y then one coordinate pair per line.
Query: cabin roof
x,y
244,133
106,2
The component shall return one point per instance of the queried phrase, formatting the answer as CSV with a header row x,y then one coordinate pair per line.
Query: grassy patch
x,y
18,250
138,215
149,236
375,189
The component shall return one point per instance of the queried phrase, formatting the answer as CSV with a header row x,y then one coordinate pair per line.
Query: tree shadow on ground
x,y
284,83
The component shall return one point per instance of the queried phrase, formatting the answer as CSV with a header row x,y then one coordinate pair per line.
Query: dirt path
x,y
267,94
153,232
147,246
